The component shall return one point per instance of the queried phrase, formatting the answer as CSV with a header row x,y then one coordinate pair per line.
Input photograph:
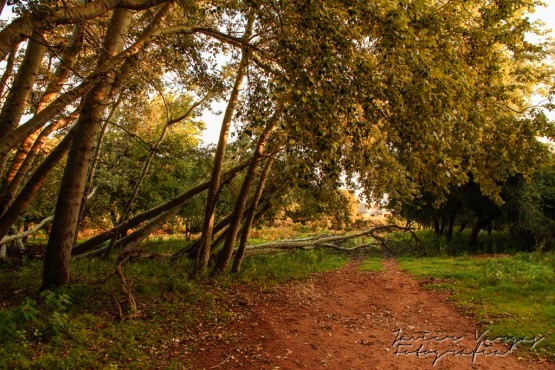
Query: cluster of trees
x,y
316,205
525,208
408,97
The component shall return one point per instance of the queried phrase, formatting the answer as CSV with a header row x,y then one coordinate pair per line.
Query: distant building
x,y
373,211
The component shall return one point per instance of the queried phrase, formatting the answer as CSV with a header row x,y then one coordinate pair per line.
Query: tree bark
x,y
130,241
473,238
119,80
19,94
240,203
23,83
153,150
151,213
104,67
9,69
8,195
58,252
436,226
21,28
451,225
324,241
34,142
8,239
127,207
20,204
13,139
92,169
2,5
250,215
203,255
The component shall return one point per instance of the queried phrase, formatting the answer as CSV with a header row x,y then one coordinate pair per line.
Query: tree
x,y
529,211
58,252
407,98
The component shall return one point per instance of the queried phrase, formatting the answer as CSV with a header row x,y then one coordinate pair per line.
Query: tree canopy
x,y
413,98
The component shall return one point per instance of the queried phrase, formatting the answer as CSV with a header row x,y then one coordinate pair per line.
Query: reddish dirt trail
x,y
347,319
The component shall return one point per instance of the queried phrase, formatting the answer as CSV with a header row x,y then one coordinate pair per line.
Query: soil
x,y
348,319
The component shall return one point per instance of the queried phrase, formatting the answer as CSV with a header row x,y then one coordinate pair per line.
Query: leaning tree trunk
x,y
240,203
2,5
250,215
126,69
178,201
8,69
153,150
33,143
22,201
104,69
53,89
333,242
9,194
22,27
203,254
92,169
58,253
19,94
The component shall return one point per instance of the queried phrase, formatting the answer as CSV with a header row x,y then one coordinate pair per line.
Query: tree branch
x,y
11,238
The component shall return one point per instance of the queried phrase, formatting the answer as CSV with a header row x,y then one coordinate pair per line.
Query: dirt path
x,y
350,320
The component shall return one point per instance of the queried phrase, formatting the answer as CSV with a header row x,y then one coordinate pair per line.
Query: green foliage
x,y
320,204
430,244
530,210
524,209
32,320
415,99
76,327
512,294
178,160
14,322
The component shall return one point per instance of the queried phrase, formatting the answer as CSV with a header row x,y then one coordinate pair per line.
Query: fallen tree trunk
x,y
178,201
328,241
11,238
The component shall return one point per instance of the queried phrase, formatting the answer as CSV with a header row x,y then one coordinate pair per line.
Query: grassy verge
x,y
77,326
511,295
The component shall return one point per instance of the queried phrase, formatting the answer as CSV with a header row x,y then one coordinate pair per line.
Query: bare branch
x,y
11,238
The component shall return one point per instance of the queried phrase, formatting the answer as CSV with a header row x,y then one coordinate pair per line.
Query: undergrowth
x,y
78,327
430,244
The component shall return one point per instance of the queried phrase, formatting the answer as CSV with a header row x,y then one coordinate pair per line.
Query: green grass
x,y
372,264
272,269
512,295
77,327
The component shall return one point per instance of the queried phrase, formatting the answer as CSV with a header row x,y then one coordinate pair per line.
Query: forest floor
x,y
348,319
